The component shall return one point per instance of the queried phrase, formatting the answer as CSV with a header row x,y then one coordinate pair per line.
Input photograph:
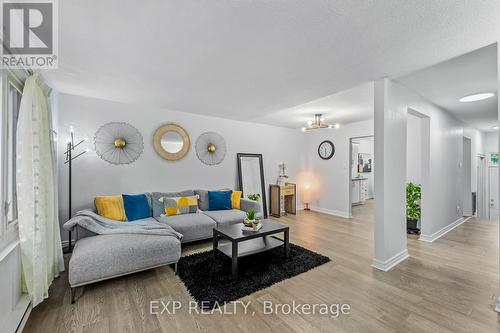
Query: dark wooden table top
x,y
234,232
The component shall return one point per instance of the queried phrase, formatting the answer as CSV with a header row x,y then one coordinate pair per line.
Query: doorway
x,y
418,161
466,177
361,177
494,207
481,210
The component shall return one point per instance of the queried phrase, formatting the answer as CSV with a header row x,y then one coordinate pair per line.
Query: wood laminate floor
x,y
446,286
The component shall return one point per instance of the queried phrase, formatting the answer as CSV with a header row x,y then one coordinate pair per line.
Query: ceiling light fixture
x,y
317,123
475,97
495,127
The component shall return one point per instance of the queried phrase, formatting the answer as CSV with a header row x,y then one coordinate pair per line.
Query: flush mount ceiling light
x,y
475,97
317,123
495,127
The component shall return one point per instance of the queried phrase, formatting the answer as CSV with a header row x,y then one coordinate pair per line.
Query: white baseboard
x,y
438,234
391,262
338,213
23,322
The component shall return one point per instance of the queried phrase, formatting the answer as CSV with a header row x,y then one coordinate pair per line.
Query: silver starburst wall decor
x,y
118,143
210,148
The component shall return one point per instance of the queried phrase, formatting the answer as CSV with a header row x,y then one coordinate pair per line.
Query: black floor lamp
x,y
68,159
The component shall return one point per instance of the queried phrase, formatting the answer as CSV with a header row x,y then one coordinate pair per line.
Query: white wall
x,y
13,303
441,178
442,200
491,142
414,149
329,179
93,176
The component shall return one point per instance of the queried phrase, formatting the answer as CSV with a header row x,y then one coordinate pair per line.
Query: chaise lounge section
x,y
102,257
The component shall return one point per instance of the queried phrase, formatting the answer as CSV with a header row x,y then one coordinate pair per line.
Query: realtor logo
x,y
29,34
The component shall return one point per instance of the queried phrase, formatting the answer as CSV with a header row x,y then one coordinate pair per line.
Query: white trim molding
x,y
391,262
497,307
19,315
438,234
8,249
338,213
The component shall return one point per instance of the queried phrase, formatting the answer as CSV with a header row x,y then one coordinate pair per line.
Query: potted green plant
x,y
413,211
251,219
254,197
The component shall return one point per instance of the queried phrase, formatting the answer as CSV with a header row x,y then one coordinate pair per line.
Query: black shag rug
x,y
210,282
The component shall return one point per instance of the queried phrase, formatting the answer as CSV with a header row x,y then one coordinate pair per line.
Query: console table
x,y
282,199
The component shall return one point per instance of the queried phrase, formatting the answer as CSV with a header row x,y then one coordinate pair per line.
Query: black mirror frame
x,y
263,184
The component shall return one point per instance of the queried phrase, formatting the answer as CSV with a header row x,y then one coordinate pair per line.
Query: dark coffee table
x,y
245,243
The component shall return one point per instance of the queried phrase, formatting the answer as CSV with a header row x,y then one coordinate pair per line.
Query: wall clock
x,y
326,150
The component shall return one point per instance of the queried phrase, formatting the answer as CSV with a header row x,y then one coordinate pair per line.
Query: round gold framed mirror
x,y
171,142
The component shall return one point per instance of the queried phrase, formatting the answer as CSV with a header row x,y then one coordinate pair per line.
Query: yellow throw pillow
x,y
236,199
111,207
180,205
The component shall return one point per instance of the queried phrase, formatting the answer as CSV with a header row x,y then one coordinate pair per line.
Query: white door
x,y
493,189
466,178
481,195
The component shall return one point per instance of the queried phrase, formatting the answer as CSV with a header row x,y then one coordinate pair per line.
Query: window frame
x,y
8,230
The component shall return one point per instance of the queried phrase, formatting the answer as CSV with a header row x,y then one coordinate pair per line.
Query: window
x,y
10,102
13,103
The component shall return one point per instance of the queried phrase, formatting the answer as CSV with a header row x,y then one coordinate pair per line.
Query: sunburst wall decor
x,y
210,148
118,143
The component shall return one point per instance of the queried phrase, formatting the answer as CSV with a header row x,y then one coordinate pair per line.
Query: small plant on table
x,y
251,220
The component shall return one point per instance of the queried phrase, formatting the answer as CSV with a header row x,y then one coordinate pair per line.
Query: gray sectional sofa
x,y
100,257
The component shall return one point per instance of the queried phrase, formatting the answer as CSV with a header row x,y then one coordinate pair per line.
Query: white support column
x,y
497,307
390,178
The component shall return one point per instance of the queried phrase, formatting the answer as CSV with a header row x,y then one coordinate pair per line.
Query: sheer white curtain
x,y
40,240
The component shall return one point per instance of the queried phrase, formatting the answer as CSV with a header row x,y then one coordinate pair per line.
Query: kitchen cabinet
x,y
359,191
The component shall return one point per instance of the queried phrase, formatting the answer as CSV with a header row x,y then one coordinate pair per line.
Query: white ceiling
x,y
347,106
445,83
246,59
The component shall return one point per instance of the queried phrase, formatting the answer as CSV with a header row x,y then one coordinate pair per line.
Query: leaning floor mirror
x,y
251,178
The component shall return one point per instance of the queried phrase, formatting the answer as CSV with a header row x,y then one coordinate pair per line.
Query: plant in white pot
x,y
251,219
